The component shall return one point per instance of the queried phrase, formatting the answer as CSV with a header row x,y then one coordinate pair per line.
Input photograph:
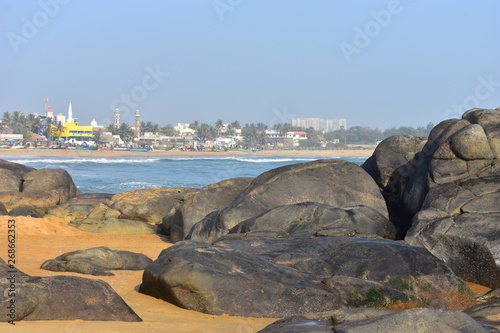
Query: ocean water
x,y
115,175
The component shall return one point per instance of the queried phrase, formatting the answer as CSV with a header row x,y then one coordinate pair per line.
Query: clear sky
x,y
375,63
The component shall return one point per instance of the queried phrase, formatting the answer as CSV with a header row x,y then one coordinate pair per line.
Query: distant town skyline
x,y
379,64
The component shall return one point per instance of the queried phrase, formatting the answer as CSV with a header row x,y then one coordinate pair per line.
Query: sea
x,y
115,175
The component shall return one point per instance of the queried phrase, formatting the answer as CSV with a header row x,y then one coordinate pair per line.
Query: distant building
x,y
325,125
70,131
74,133
288,138
183,129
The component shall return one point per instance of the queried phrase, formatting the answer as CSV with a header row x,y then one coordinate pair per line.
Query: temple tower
x,y
116,117
70,114
137,123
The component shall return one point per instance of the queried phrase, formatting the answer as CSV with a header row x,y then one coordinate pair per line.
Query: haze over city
x,y
374,63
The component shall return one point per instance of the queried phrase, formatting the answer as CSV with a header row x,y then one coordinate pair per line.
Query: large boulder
x,y
199,204
19,169
40,200
413,320
291,276
486,313
148,205
25,210
457,149
390,166
60,298
314,218
3,209
22,185
50,180
459,223
97,261
336,183
79,206
114,226
10,181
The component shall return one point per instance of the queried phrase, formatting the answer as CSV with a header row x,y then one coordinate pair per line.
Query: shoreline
x,y
158,153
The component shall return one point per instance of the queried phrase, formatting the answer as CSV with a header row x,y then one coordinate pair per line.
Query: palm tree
x,y
59,129
125,132
235,125
195,125
7,121
18,121
219,125
205,132
168,130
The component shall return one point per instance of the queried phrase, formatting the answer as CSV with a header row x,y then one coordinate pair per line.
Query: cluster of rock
x,y
326,238
60,298
402,231
26,191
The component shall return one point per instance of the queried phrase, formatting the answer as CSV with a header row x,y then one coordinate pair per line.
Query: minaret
x,y
70,114
117,118
137,123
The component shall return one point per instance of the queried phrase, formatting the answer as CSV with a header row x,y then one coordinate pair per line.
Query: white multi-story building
x,y
325,125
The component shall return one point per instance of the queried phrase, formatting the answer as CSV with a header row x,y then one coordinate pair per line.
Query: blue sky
x,y
375,63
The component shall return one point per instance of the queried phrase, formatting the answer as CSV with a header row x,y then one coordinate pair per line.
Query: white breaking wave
x,y
273,160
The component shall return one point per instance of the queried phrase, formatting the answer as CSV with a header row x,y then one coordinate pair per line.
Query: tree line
x,y
254,134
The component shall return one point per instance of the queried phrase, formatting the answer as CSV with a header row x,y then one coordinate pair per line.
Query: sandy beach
x,y
42,239
155,153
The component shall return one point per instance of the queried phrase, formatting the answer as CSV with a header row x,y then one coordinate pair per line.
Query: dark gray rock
x,y
314,218
97,261
322,322
458,224
6,269
199,204
483,310
10,181
114,226
456,150
19,169
414,320
298,324
292,276
64,298
390,166
50,180
3,210
337,183
25,210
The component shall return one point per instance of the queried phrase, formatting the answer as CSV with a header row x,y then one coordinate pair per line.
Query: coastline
x,y
156,153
